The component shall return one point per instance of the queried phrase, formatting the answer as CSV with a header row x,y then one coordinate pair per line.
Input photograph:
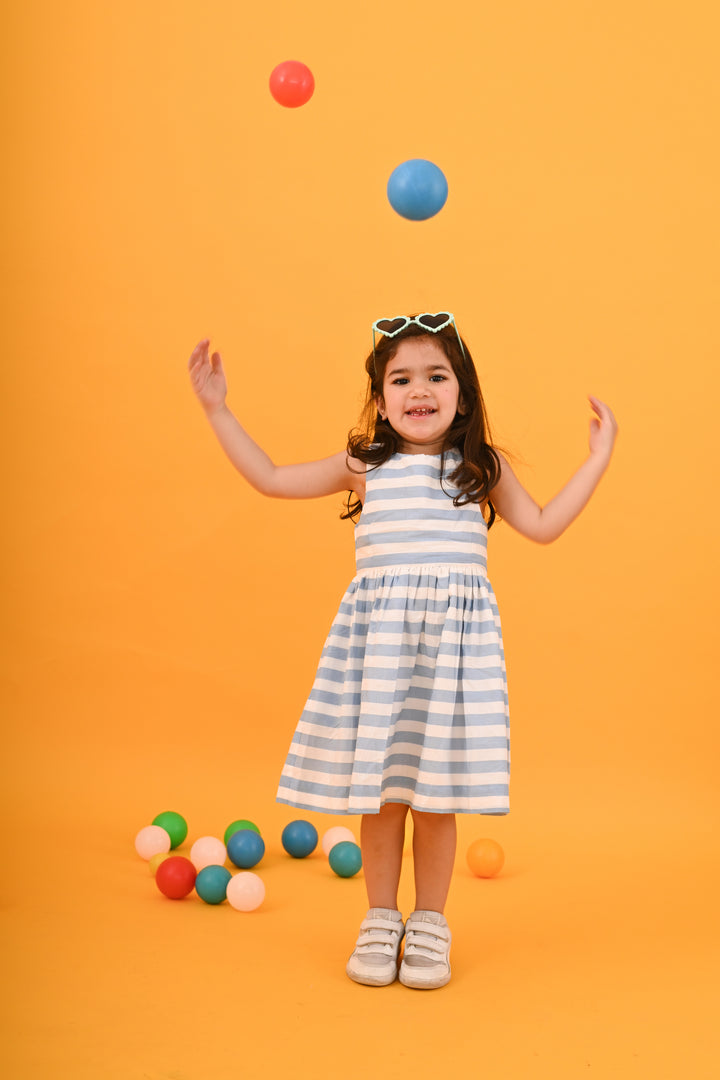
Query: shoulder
x,y
496,492
506,484
506,469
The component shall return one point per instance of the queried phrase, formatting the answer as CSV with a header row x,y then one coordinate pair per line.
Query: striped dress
x,y
409,703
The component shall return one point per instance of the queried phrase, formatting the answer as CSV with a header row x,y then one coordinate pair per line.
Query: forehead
x,y
416,354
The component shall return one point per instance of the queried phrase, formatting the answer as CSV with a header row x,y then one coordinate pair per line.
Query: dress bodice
x,y
409,518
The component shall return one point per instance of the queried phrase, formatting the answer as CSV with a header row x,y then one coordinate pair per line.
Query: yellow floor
x,y
593,953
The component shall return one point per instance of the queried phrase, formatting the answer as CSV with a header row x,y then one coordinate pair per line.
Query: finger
x,y
201,355
199,370
201,347
608,415
599,407
197,374
197,352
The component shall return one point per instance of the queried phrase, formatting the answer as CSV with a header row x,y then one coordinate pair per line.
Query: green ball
x,y
237,826
174,825
345,858
211,884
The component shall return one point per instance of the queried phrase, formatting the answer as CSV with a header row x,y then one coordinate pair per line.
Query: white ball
x,y
336,835
152,840
245,891
207,851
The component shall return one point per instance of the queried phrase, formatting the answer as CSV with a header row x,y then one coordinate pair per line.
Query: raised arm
x,y
302,481
545,524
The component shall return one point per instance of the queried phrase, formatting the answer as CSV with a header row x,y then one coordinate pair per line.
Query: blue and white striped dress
x,y
409,703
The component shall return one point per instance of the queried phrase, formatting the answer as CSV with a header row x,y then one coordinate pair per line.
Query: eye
x,y
400,381
439,378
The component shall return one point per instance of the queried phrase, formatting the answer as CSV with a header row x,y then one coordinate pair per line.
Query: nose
x,y
419,390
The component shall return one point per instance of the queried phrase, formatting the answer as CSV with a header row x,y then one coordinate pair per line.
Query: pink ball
x,y
152,840
336,835
245,892
207,851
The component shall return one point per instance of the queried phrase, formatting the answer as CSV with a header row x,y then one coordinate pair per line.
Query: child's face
x,y
420,395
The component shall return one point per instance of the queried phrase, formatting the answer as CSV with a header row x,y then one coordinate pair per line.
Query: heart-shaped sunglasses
x,y
433,323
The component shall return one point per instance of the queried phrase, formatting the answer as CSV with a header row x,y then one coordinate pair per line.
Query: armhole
x,y
360,474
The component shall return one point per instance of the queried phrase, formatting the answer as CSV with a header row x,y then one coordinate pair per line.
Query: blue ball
x,y
211,884
299,839
245,848
417,189
345,858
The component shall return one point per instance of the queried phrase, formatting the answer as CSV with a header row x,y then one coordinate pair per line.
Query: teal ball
x,y
345,859
211,884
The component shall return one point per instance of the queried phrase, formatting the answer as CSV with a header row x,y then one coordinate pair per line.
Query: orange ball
x,y
485,858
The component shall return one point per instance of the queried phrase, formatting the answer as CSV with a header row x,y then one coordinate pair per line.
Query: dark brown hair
x,y
374,441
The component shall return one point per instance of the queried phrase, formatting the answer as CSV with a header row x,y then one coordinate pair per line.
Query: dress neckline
x,y
452,450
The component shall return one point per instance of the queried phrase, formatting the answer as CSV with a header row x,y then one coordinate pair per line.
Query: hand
x,y
603,429
207,377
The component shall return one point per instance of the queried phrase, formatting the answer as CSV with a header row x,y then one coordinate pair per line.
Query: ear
x,y
380,404
462,407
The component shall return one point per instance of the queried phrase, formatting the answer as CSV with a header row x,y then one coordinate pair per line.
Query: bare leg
x,y
434,844
382,837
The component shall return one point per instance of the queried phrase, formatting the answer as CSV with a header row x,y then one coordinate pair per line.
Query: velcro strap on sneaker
x,y
386,925
435,940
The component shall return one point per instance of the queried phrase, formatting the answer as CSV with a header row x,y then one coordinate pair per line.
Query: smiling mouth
x,y
420,412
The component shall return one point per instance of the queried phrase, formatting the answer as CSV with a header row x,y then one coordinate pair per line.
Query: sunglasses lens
x,y
435,322
391,326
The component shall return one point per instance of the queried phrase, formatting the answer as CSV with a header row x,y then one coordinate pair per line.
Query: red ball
x,y
292,84
175,877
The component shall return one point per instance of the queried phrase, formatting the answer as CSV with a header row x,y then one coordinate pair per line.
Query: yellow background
x,y
163,621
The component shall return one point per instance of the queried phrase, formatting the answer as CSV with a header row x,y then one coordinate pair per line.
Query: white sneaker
x,y
374,960
426,959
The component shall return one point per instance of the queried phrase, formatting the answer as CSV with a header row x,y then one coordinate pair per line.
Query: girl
x,y
409,705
